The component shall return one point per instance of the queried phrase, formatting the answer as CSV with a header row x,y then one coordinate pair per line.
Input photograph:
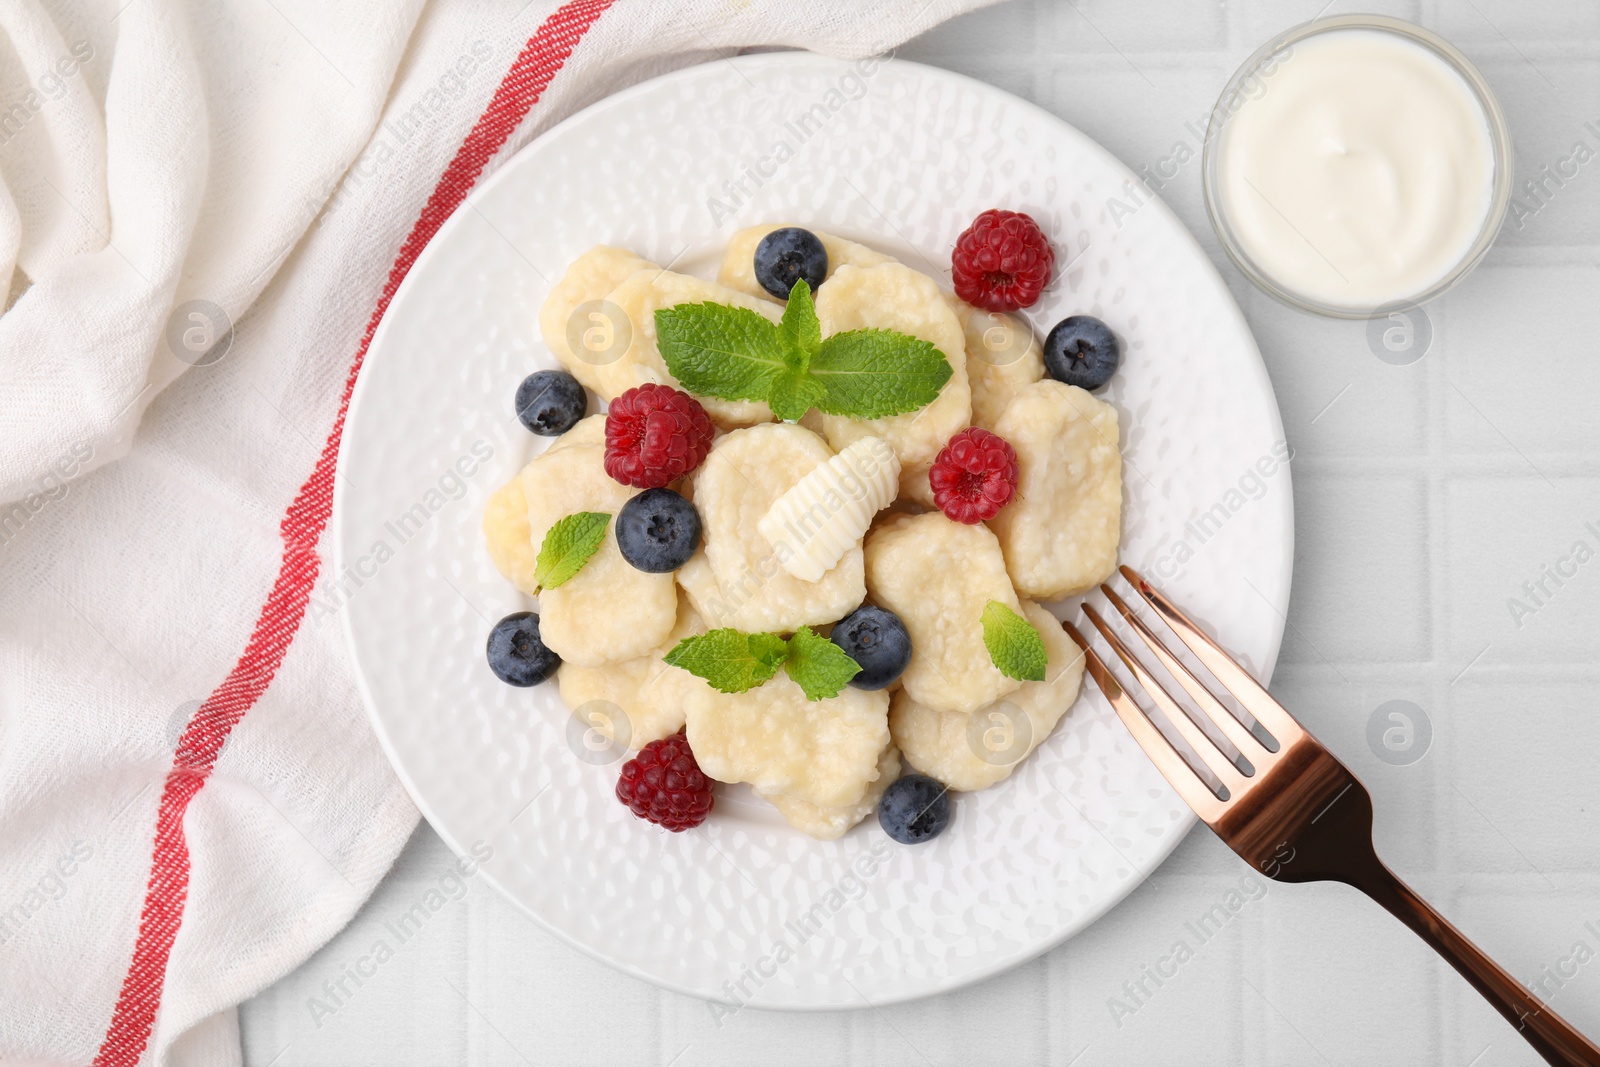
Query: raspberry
x,y
654,435
974,476
1002,262
664,785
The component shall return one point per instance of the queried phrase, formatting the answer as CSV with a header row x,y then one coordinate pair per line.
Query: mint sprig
x,y
871,374
735,354
820,667
1014,645
567,546
732,661
722,351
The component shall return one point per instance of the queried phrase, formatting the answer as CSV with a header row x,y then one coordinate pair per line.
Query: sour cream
x,y
1359,172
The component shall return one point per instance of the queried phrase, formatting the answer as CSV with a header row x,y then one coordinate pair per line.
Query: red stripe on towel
x,y
131,1023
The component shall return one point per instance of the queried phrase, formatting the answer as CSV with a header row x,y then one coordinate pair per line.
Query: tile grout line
x,y
1484,465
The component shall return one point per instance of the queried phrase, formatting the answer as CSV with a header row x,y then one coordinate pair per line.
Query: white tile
x,y
1522,22
1520,371
1013,1007
1336,396
993,36
1549,100
1109,1005
1361,551
1335,978
352,995
537,1000
1260,22
1139,111
1112,26
1525,796
1503,604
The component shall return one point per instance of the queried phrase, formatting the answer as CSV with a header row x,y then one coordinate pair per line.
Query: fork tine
x,y
1245,741
1167,759
1234,678
1206,750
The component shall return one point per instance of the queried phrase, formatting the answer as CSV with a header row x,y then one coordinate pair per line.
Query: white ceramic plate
x,y
743,908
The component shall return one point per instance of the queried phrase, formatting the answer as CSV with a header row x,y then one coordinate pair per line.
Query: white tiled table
x,y
1425,496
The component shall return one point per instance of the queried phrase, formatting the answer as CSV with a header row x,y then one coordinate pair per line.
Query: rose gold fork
x,y
1297,814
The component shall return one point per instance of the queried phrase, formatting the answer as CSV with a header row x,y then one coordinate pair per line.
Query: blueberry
x,y
516,654
550,402
787,255
1081,350
915,808
658,531
877,640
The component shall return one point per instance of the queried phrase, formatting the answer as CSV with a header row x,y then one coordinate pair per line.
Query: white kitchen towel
x,y
204,209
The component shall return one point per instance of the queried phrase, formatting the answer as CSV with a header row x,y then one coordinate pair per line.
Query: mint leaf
x,y
799,328
568,545
722,351
870,374
732,661
820,667
736,354
729,660
1014,645
793,394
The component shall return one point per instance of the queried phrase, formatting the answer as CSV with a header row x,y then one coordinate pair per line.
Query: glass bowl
x,y
1232,99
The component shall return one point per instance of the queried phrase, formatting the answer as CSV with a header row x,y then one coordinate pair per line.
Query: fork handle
x,y
1550,1035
